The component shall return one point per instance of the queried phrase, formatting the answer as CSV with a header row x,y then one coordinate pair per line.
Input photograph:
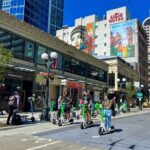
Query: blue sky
x,y
80,8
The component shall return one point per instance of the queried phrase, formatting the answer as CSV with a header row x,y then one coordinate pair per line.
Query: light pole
x,y
121,82
140,99
49,60
148,97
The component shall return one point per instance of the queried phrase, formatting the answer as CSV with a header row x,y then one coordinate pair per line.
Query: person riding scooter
x,y
67,100
87,100
108,111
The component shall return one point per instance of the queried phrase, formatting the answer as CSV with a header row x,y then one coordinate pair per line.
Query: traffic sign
x,y
139,95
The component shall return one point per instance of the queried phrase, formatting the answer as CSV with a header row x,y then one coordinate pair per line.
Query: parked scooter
x,y
102,128
62,120
53,115
84,123
31,109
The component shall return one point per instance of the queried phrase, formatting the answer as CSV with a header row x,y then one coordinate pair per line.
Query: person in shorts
x,y
68,101
87,99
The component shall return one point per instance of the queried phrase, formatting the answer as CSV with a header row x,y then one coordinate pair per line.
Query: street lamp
x,y
140,98
121,82
148,97
49,60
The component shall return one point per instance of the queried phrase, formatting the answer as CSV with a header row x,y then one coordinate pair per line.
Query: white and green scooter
x,y
84,123
62,120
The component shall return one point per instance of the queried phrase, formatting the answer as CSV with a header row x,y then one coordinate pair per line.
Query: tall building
x,y
46,15
146,26
116,35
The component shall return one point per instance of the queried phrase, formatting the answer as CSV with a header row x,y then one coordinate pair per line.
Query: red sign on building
x,y
75,85
117,17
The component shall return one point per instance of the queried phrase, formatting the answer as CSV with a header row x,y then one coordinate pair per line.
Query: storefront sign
x,y
117,17
75,85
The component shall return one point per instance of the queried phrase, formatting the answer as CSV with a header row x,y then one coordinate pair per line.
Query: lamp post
x,y
148,97
49,60
121,82
140,99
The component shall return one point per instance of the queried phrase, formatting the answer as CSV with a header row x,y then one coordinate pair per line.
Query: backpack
x,y
12,101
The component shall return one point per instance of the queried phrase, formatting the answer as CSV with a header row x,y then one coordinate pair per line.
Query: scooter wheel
x,y
82,126
59,123
71,121
112,127
78,117
32,119
100,131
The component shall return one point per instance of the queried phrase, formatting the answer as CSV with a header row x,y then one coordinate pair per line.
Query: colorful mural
x,y
83,37
123,39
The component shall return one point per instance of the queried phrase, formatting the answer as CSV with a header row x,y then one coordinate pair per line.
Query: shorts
x,y
67,110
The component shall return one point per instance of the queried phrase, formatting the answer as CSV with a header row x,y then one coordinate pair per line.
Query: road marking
x,y
23,140
83,148
41,139
36,141
34,132
96,136
49,140
45,145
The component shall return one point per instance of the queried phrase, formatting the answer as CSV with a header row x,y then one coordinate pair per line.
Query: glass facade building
x,y
46,15
31,51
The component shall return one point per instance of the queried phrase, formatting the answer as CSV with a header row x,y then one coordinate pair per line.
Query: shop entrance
x,y
26,92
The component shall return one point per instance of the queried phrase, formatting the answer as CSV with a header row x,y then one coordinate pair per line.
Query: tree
x,y
131,93
5,58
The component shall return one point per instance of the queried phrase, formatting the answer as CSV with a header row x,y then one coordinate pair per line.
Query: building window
x,y
17,47
104,53
29,51
40,51
105,35
105,44
105,25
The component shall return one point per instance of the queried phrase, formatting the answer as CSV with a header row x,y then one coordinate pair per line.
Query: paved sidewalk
x,y
48,125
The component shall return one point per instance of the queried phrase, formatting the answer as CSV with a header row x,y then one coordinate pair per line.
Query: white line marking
x,y
95,136
36,141
83,148
34,132
50,140
41,139
23,140
45,145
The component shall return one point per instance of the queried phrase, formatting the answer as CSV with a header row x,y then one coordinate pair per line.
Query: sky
x,y
74,9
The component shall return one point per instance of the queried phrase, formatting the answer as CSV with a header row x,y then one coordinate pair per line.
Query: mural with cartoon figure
x,y
83,38
123,39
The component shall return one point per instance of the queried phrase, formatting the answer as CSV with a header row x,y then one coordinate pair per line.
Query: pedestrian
x,y
31,100
108,111
13,107
87,100
67,99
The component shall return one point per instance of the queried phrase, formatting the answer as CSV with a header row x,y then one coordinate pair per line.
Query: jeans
x,y
108,114
12,113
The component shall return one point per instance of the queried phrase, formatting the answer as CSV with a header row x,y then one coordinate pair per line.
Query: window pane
x,y
17,47
29,51
41,50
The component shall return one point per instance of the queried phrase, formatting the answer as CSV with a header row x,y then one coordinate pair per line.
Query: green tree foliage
x,y
5,58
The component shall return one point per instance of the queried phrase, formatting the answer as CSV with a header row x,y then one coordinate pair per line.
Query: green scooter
x,y
62,119
84,123
53,115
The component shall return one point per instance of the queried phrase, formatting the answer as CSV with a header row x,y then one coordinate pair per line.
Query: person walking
x,y
13,107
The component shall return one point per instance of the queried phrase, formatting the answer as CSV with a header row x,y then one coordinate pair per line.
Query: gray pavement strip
x,y
130,114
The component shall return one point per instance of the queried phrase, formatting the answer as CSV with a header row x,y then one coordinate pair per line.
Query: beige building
x,y
115,35
120,69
